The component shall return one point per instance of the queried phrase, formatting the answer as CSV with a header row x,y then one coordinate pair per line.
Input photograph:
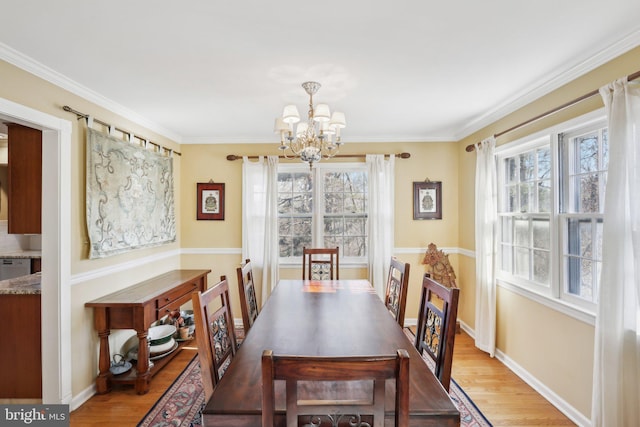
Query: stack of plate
x,y
161,341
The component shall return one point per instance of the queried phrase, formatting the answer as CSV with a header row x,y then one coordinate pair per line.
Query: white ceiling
x,y
207,71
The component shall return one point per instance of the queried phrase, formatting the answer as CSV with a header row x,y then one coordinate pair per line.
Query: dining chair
x,y
215,333
310,405
247,291
320,263
396,291
436,330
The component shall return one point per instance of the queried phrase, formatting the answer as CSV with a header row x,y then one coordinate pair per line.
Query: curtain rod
x,y
471,147
131,134
232,157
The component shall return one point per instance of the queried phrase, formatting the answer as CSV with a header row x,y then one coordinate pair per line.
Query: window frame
x,y
556,295
318,214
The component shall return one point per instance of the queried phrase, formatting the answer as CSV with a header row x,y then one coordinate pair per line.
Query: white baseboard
x,y
563,406
572,413
79,399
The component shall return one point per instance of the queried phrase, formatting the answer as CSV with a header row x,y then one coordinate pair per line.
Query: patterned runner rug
x,y
181,404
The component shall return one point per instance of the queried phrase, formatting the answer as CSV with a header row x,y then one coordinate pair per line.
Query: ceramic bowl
x,y
160,334
162,348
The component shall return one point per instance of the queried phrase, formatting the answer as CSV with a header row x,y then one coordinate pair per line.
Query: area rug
x,y
182,403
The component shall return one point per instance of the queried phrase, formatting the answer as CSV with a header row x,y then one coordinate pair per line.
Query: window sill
x,y
563,307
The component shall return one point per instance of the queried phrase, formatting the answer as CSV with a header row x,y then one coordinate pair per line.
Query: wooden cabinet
x,y
24,191
21,349
36,265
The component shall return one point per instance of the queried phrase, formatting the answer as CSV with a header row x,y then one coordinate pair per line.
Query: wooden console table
x,y
136,307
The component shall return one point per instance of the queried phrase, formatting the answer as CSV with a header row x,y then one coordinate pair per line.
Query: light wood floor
x,y
501,395
504,398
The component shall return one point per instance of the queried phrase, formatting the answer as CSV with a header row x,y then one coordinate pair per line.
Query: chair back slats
x,y
215,333
247,292
320,263
313,405
435,335
396,290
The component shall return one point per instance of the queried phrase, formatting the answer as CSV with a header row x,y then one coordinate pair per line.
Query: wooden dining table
x,y
323,318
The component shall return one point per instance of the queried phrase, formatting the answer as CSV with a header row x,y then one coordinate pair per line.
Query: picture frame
x,y
210,201
427,200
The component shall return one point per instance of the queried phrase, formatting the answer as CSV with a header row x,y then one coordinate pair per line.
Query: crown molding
x,y
540,89
32,66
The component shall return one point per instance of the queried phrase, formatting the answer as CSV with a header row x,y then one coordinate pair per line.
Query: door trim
x,y
56,247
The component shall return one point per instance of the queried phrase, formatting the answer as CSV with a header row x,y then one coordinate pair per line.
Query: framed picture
x,y
427,200
210,201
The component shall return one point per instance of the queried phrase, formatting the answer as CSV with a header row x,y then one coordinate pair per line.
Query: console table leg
x,y
143,372
103,382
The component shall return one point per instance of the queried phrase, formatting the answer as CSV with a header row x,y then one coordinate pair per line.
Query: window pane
x,y
354,247
527,166
526,198
584,245
302,226
541,266
507,234
333,241
302,182
576,234
334,203
286,246
299,242
356,182
598,241
589,193
284,226
355,203
522,231
333,226
588,153
586,278
333,182
544,163
522,262
512,199
541,234
511,171
505,259
355,226
544,196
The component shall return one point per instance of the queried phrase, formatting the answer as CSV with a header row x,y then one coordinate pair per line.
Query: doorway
x,y
56,246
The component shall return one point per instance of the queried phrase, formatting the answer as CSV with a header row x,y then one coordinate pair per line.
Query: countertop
x,y
20,254
23,285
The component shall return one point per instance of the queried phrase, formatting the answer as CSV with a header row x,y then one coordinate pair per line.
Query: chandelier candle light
x,y
312,140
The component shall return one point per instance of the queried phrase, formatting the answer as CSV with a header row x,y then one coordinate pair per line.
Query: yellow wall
x,y
554,348
435,160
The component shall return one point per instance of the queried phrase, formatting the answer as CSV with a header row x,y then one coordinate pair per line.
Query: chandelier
x,y
312,140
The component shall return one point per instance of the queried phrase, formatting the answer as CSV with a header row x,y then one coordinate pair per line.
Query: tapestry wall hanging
x,y
130,202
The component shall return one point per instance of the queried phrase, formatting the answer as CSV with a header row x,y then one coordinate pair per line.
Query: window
x,y
551,197
525,214
323,207
585,157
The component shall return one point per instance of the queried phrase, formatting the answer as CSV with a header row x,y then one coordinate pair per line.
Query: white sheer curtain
x,y
486,223
260,221
616,374
381,209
